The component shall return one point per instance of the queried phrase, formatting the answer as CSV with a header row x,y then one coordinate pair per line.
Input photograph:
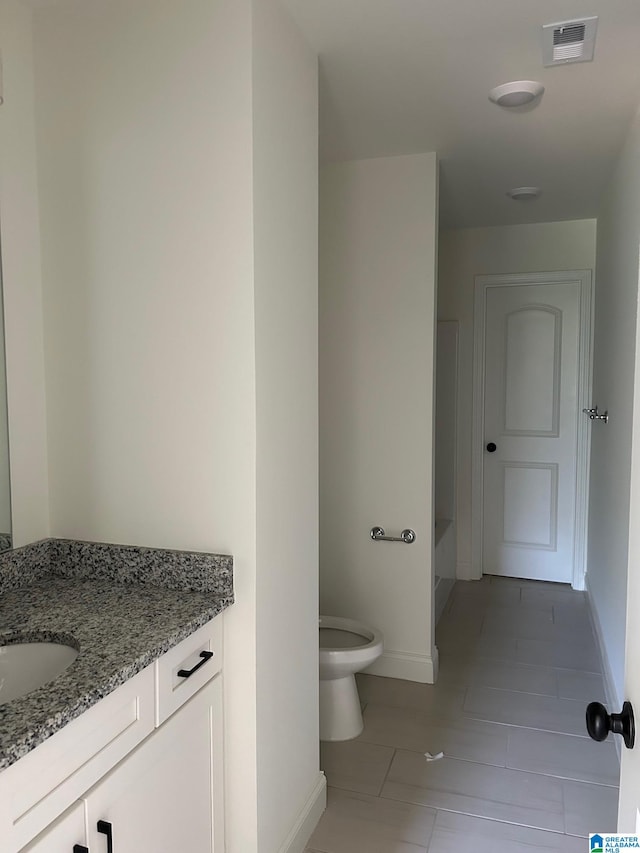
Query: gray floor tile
x,y
355,822
451,630
449,635
565,655
476,590
524,709
501,675
496,616
355,766
589,808
458,833
464,618
406,728
554,594
476,789
566,756
574,615
518,663
482,647
527,626
581,686
542,609
440,698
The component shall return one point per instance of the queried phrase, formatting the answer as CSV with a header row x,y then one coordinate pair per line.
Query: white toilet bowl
x,y
346,647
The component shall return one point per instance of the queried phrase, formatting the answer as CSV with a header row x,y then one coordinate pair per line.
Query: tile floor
x,y
518,664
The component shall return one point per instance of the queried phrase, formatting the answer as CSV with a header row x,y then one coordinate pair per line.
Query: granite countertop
x,y
110,604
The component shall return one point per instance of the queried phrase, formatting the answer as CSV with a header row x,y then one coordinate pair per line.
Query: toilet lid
x,y
337,638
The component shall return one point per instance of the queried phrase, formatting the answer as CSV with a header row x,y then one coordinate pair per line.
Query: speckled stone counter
x,y
120,607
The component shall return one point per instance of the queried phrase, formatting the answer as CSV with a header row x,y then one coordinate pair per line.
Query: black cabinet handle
x,y
185,673
492,447
106,829
79,848
600,723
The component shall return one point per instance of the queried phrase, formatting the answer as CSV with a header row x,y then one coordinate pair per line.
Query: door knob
x,y
600,723
491,447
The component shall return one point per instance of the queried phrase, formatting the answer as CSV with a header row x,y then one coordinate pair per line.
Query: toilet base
x,y
340,714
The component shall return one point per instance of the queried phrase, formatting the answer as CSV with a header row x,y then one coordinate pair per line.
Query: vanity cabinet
x,y
160,798
164,797
163,793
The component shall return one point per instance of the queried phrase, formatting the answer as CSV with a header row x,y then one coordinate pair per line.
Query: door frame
x,y
583,439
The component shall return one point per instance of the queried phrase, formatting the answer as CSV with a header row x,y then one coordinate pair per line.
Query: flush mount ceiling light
x,y
516,94
524,193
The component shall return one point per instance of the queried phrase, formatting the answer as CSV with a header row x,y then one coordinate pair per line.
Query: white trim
x,y
611,693
307,820
583,437
408,666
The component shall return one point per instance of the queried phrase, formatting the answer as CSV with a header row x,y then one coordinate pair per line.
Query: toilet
x,y
346,647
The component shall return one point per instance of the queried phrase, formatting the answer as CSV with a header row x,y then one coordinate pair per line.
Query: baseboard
x,y
579,582
410,667
611,694
307,820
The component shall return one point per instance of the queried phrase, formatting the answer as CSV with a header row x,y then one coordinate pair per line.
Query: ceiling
x,y
405,76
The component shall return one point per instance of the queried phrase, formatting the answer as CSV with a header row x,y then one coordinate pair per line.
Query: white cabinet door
x,y
161,797
65,835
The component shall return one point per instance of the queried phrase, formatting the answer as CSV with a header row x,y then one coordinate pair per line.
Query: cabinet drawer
x,y
200,654
39,787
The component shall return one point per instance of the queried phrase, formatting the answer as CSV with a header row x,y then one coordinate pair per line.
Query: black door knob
x,y
491,447
600,722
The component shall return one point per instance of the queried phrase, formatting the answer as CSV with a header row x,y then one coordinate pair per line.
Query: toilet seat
x,y
338,638
335,629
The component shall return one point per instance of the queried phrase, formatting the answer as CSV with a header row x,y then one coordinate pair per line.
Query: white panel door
x,y
530,415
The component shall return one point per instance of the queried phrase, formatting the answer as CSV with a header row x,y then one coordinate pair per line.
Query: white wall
x,y
285,168
446,414
5,482
466,253
378,239
613,389
21,282
162,363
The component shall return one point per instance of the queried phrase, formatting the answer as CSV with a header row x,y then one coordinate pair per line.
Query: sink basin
x,y
26,666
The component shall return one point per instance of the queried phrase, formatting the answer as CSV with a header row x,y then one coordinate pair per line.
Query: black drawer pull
x,y
106,829
185,673
79,848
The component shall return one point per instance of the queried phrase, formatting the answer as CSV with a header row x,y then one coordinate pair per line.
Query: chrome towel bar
x,y
407,536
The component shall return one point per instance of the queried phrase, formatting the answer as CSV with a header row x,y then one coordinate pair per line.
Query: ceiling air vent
x,y
569,41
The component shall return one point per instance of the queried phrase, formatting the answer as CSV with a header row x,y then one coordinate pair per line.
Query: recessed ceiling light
x,y
524,193
516,94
